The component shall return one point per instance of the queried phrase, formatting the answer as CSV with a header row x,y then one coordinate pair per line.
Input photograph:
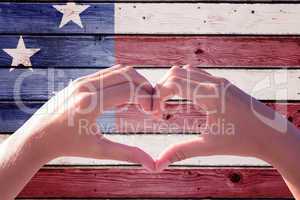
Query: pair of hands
x,y
66,125
56,128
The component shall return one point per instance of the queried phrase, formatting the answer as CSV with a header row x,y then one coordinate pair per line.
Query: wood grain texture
x,y
164,1
158,198
208,51
155,18
154,145
178,118
172,183
156,51
183,118
63,51
200,18
263,84
39,84
44,18
14,114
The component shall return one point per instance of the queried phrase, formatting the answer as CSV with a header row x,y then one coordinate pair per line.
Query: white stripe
x,y
207,18
155,144
264,84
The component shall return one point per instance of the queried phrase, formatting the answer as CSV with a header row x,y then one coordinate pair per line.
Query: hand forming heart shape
x,y
66,124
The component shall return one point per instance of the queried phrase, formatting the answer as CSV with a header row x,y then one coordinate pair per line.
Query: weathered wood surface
x,y
209,51
39,84
63,51
155,18
172,183
178,118
44,18
263,84
156,51
156,199
183,119
200,18
165,199
154,145
14,114
179,1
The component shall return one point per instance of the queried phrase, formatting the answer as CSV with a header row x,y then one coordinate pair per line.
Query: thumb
x,y
116,151
182,151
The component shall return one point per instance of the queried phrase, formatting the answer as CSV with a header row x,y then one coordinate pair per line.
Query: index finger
x,y
122,152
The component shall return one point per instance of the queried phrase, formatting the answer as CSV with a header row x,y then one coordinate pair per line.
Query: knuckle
x,y
84,86
173,79
222,80
123,74
81,87
126,69
83,100
174,70
210,86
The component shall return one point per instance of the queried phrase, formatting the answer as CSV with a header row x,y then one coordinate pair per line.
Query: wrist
x,y
21,157
280,145
35,145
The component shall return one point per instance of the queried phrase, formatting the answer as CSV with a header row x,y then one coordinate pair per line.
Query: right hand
x,y
241,132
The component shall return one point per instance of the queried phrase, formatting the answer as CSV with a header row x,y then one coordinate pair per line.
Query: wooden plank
x,y
204,18
14,114
155,18
208,51
39,84
263,84
179,118
154,145
133,121
159,199
183,119
63,51
44,18
155,51
172,183
179,1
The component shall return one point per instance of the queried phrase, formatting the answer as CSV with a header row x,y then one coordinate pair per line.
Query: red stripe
x,y
172,183
183,118
210,51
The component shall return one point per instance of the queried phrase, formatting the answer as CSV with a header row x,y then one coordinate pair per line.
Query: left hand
x,y
66,124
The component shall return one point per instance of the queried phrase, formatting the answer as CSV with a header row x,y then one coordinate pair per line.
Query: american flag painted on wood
x,y
44,45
